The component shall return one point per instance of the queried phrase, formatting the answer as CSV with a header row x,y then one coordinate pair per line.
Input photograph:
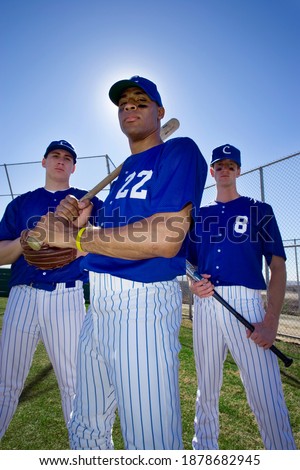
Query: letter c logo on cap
x,y
226,147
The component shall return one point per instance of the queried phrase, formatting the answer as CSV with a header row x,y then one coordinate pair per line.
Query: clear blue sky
x,y
227,69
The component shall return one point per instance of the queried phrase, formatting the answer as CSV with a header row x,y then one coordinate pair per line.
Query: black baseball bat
x,y
191,272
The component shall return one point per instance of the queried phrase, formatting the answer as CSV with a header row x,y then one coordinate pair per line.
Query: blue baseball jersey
x,y
230,239
164,178
23,213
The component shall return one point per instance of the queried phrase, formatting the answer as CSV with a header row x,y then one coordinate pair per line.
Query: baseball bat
x,y
191,272
166,130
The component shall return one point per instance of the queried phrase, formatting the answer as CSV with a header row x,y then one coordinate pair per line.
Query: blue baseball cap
x,y
149,88
226,152
61,145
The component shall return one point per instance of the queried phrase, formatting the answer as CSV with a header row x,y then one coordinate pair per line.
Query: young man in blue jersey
x,y
232,235
128,348
42,305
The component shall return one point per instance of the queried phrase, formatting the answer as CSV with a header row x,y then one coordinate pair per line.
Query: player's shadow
x,y
33,387
286,375
289,379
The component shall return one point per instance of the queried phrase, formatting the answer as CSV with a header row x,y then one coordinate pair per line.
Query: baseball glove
x,y
47,257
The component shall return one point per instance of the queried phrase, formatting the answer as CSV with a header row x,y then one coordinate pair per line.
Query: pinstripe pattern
x,y
128,360
215,332
32,315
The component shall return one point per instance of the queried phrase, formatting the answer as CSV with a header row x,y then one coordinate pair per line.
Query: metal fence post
x,y
8,180
297,272
262,196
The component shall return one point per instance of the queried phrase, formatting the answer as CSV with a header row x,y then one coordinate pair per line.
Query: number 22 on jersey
x,y
136,192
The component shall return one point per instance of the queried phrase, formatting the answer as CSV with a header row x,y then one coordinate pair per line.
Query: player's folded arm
x,y
10,251
160,235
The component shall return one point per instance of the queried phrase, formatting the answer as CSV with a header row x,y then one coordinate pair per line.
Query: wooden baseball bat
x,y
166,130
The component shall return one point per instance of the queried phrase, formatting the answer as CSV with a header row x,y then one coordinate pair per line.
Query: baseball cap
x,y
224,152
63,145
149,88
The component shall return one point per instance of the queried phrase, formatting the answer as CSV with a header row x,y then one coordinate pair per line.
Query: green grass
x,y
38,422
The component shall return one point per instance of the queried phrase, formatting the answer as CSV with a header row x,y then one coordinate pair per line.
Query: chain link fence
x,y
276,183
18,178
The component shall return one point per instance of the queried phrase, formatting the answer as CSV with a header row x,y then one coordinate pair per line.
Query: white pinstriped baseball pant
x,y
128,361
31,315
216,331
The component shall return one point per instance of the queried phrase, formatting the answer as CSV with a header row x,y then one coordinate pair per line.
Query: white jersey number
x,y
241,223
136,191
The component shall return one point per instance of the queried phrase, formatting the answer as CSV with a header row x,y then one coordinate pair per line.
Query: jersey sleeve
x,y
182,173
270,235
9,229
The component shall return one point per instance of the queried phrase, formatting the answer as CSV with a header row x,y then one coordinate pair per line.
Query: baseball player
x,y
128,347
232,235
42,305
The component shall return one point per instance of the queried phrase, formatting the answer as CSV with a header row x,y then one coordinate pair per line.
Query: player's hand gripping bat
x,y
166,130
191,272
